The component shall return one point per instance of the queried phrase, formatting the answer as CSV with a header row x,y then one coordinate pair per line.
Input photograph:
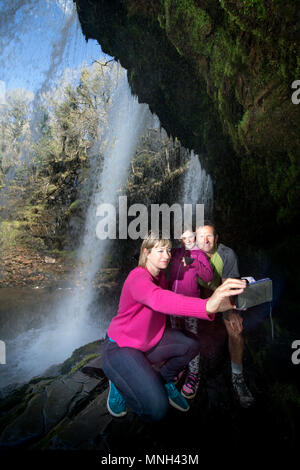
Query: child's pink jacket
x,y
183,279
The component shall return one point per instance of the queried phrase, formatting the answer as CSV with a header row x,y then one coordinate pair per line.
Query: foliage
x,y
44,206
157,158
15,128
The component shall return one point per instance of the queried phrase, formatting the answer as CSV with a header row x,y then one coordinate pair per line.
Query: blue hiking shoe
x,y
116,404
175,397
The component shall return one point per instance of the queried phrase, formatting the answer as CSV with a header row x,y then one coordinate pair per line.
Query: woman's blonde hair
x,y
149,242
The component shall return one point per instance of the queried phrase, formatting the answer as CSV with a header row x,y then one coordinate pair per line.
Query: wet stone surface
x,y
68,412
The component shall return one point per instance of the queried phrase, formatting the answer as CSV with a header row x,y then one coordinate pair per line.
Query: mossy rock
x,y
80,354
218,74
51,189
16,402
75,207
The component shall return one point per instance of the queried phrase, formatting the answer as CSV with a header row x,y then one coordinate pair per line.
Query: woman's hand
x,y
220,299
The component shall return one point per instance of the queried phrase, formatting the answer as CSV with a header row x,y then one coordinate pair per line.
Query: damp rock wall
x,y
219,75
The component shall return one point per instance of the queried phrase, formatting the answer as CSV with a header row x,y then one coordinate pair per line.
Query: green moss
x,y
81,363
40,379
69,255
255,6
31,213
51,188
186,24
9,233
75,205
167,4
78,355
219,69
244,122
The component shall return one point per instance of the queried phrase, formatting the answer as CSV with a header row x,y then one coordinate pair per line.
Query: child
x,y
189,262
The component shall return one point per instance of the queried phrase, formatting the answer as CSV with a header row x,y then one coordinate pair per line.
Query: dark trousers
x,y
139,383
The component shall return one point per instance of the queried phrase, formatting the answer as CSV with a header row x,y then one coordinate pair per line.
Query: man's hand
x,y
234,323
220,299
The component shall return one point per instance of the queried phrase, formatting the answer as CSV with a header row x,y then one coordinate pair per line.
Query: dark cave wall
x,y
218,74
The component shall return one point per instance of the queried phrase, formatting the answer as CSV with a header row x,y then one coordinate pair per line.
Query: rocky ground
x,y
22,266
62,415
25,267
66,410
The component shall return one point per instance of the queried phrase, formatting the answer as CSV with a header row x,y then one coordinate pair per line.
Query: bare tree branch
x,y
103,65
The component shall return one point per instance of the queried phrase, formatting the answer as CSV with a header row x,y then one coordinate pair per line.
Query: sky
x,y
38,40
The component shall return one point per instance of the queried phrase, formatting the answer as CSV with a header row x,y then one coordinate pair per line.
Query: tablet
x,y
256,293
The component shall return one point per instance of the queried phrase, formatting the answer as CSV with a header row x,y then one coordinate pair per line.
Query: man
x,y
224,263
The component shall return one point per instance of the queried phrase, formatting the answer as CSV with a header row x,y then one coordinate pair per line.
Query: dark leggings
x,y
139,383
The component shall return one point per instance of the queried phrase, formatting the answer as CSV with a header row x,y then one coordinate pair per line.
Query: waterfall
x,y
40,43
197,188
126,121
39,39
73,323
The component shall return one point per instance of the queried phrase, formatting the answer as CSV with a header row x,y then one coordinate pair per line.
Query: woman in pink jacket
x,y
187,264
137,338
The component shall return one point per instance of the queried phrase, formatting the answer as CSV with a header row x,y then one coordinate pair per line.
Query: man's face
x,y
206,239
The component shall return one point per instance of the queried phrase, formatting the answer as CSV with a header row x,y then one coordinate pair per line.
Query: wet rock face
x,y
30,414
219,76
66,408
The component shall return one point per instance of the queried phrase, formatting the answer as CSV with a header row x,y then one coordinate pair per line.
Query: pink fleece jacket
x,y
184,279
144,303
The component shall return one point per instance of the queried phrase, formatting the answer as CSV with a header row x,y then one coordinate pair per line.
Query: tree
x,y
15,128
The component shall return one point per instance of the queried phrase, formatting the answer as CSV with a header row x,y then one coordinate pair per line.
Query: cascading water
x,y
40,41
73,324
54,26
126,121
198,187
